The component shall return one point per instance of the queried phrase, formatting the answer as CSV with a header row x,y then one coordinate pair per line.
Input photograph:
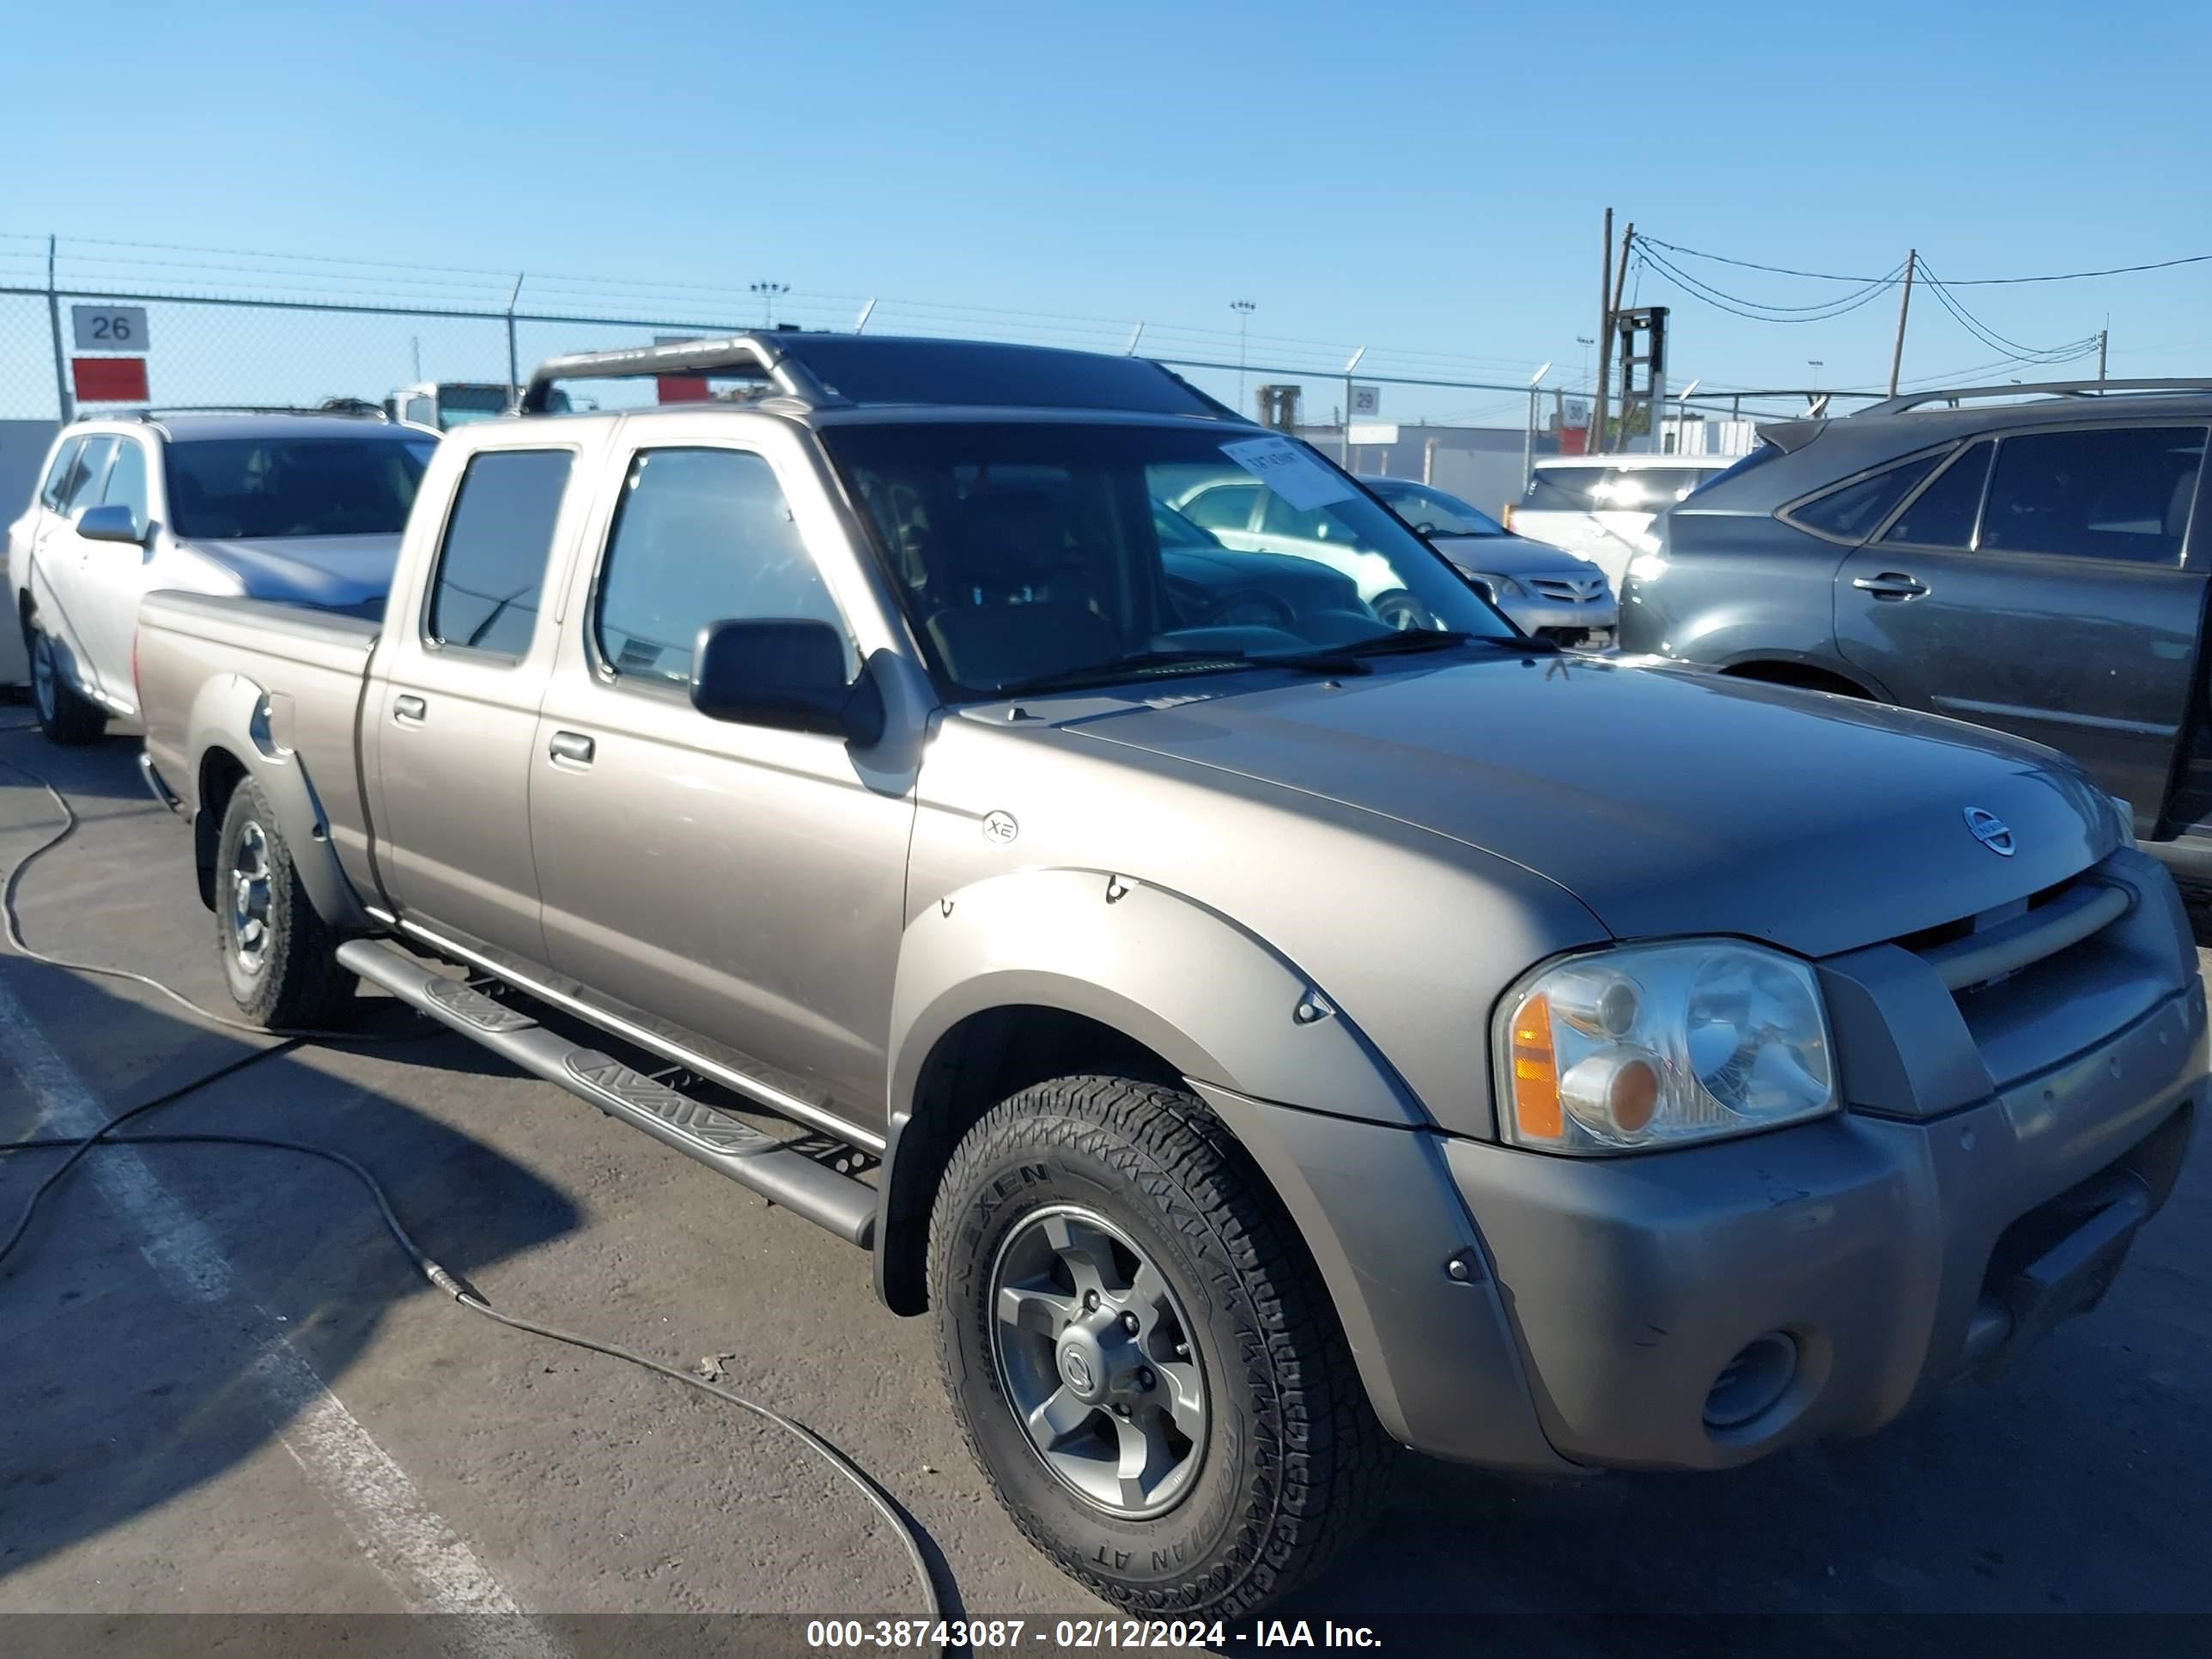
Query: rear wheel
x,y
1143,1360
279,955
1399,609
64,716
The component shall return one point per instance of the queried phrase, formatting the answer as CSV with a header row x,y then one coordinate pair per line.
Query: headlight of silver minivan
x,y
1660,1045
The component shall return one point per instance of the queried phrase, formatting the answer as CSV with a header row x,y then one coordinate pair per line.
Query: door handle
x,y
1890,585
573,747
408,710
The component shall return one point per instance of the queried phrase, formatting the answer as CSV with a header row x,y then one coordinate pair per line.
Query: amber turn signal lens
x,y
1535,1072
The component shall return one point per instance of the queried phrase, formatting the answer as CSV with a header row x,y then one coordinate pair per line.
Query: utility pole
x,y
1903,305
1604,337
1243,308
1613,325
2101,333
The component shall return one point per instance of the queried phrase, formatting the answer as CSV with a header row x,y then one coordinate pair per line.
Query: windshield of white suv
x,y
243,488
1055,553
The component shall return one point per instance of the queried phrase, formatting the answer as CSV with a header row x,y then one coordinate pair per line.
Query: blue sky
x,y
1428,178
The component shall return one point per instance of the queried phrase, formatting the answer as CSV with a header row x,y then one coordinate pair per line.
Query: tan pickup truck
x,y
1264,1007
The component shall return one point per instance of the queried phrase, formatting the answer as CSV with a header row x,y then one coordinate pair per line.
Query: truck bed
x,y
203,662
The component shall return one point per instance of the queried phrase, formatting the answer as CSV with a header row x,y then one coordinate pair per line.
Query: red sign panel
x,y
109,380
682,388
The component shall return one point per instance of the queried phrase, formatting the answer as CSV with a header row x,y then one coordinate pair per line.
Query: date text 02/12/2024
x,y
1084,1635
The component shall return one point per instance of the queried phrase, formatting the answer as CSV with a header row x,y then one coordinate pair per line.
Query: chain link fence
x,y
227,330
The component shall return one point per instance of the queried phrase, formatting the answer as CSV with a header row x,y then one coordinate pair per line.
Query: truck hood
x,y
1668,802
333,572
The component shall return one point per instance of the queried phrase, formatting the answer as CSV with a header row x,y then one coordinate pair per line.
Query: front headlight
x,y
1648,567
1500,587
1658,1045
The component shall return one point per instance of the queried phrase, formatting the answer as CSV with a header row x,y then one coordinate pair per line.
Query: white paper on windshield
x,y
1289,471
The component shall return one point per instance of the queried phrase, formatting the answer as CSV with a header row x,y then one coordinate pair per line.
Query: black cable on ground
x,y
12,925
78,1147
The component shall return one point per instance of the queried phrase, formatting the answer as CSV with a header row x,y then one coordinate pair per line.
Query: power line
x,y
1760,311
1996,341
1963,282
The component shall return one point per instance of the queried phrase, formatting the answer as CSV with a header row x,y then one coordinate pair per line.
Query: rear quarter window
x,y
1850,512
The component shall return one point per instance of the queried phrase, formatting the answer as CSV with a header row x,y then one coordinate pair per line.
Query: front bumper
x,y
1894,1256
1534,615
1524,1310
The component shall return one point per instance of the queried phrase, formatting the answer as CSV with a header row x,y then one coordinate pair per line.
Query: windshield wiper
x,y
1438,639
1136,667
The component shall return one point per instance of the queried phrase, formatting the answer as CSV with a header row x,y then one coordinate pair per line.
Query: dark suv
x,y
2037,566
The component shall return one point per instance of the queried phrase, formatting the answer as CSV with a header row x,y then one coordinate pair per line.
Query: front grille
x,y
1568,590
1981,949
2022,974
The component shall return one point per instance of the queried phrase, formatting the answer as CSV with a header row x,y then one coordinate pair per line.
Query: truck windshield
x,y
1058,552
249,488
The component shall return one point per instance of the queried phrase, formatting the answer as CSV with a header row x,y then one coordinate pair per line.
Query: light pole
x,y
768,291
1682,415
1816,364
1585,342
1528,435
1243,308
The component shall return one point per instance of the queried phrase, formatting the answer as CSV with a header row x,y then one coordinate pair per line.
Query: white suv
x,y
1602,506
305,508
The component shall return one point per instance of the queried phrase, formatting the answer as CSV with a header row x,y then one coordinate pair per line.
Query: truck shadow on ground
x,y
125,1388
88,775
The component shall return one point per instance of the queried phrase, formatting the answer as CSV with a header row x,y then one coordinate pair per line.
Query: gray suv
x,y
2036,565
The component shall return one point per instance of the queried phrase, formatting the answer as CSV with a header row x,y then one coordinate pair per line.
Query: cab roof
x,y
799,372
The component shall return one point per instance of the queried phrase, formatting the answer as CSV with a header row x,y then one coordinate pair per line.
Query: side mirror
x,y
111,523
786,674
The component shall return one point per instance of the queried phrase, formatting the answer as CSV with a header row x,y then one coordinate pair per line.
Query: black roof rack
x,y
1955,395
811,369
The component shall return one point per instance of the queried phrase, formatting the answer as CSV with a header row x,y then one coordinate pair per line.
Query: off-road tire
x,y
300,985
64,716
1295,1463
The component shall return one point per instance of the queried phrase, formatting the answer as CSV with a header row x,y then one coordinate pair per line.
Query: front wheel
x,y
1143,1357
279,955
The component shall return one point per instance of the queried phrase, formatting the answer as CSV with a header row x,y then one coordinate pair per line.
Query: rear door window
x,y
2117,493
1944,515
499,539
1224,507
1851,512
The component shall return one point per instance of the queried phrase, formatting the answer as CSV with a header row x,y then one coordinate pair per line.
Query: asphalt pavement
x,y
223,1390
